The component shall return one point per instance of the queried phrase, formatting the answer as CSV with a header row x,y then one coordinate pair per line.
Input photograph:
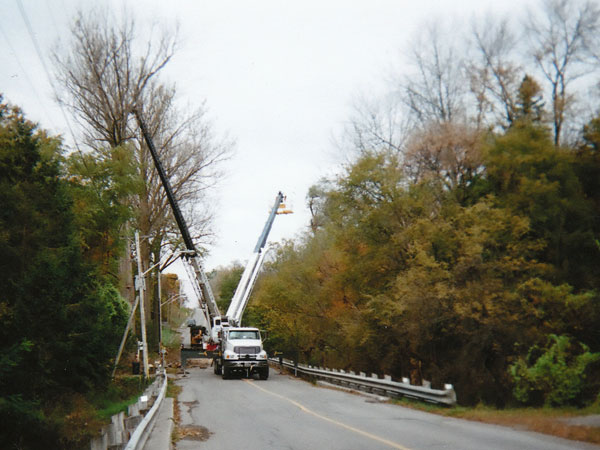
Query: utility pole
x,y
124,338
159,309
142,287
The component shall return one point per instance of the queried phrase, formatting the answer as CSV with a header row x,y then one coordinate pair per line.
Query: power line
x,y
31,85
41,58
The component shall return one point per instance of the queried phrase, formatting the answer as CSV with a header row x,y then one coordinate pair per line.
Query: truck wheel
x,y
226,373
264,374
217,368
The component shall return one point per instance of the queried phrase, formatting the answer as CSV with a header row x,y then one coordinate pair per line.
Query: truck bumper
x,y
244,364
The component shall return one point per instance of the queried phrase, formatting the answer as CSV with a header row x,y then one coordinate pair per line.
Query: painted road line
x,y
327,419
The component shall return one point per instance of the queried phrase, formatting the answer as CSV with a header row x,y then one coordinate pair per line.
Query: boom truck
x,y
232,348
241,349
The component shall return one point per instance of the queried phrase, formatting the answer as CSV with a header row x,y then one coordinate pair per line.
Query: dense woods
x,y
460,243
61,313
449,284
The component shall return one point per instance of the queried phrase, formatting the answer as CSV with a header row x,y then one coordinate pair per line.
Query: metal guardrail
x,y
131,430
143,430
386,386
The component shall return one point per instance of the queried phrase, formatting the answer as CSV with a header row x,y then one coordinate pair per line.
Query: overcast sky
x,y
280,77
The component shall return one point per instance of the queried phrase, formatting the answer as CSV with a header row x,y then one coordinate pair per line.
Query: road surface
x,y
287,413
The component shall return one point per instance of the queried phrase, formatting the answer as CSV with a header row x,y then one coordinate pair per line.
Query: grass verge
x,y
173,390
551,421
124,391
176,434
79,418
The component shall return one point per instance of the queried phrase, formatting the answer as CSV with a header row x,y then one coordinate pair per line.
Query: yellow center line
x,y
327,419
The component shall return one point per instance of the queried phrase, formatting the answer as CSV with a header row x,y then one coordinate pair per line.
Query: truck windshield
x,y
243,334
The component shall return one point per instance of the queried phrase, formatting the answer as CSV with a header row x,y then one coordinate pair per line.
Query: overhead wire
x,y
24,72
45,67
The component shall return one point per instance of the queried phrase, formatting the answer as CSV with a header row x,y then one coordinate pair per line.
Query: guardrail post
x,y
451,392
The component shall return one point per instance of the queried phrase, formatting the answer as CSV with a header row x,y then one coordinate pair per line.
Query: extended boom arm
x,y
208,298
244,289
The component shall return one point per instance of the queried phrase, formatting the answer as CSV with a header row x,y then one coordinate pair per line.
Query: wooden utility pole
x,y
124,338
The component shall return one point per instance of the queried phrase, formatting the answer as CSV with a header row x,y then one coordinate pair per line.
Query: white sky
x,y
279,77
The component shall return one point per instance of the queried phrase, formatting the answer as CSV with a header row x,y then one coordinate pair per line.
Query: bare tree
x,y
105,74
434,91
102,75
377,124
190,153
494,76
423,119
562,48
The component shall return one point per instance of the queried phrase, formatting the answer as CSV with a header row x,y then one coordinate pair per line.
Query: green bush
x,y
554,376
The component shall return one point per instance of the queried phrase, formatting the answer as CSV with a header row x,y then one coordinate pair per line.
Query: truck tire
x,y
217,368
226,373
264,374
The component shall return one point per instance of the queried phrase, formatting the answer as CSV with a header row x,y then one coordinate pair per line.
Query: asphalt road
x,y
286,413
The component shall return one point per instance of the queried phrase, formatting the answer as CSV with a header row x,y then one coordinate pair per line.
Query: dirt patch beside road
x,y
194,433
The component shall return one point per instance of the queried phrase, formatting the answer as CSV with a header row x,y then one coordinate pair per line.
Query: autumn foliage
x,y
453,282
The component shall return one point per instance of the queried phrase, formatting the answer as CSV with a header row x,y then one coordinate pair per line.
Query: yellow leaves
x,y
537,291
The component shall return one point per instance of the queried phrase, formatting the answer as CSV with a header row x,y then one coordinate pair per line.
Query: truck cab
x,y
242,353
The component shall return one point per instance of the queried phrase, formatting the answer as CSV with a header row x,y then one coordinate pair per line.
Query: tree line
x,y
460,243
62,315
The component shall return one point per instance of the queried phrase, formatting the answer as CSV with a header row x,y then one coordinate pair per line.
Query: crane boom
x,y
244,289
208,299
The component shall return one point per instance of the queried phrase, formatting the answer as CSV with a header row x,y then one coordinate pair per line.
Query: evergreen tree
x,y
61,322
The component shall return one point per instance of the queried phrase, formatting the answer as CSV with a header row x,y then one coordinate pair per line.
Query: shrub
x,y
554,376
